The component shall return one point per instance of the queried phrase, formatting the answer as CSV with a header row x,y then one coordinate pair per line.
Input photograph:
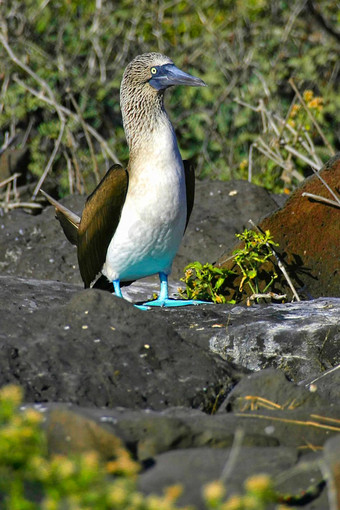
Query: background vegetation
x,y
31,478
61,64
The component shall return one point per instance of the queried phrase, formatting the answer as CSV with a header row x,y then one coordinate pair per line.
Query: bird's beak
x,y
169,75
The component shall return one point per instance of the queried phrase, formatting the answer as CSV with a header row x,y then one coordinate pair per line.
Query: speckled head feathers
x,y
140,103
138,71
144,82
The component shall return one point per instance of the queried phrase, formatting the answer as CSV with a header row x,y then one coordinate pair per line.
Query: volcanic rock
x,y
195,394
308,234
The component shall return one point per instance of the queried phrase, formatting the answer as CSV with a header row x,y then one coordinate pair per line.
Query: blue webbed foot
x,y
142,307
164,300
167,302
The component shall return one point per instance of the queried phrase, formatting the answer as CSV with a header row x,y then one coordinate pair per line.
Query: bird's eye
x,y
153,70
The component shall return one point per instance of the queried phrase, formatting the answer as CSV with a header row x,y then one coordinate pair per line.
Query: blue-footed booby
x,y
133,222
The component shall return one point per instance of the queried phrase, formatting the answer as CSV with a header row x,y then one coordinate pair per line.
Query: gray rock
x,y
99,350
147,433
49,344
164,381
179,445
35,246
330,467
301,339
195,468
270,388
27,295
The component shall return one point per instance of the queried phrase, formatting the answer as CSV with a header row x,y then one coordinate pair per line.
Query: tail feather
x,y
67,219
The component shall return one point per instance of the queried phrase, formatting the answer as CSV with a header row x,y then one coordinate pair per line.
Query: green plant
x,y
250,258
205,282
211,283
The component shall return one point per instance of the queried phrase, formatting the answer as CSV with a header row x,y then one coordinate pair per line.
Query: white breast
x,y
154,214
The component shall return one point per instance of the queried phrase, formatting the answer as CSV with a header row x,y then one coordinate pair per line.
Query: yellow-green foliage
x,y
205,282
71,55
31,480
256,251
259,493
210,283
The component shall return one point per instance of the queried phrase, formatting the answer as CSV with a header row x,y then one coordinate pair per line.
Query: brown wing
x,y
99,221
189,170
67,219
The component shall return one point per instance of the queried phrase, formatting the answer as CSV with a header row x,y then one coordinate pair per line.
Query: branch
x,y
319,198
50,161
51,100
8,141
268,295
33,75
326,185
16,205
9,179
70,113
87,136
279,263
298,154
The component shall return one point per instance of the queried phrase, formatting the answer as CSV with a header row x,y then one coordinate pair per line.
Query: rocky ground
x,y
196,394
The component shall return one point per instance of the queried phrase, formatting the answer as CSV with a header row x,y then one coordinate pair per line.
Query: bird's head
x,y
157,71
142,89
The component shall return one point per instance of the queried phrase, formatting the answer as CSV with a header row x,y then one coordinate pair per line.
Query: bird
x,y
133,222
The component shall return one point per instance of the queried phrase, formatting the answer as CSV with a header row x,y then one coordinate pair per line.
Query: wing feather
x,y
99,221
67,219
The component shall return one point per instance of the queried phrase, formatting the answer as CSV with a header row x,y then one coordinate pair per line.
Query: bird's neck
x,y
143,116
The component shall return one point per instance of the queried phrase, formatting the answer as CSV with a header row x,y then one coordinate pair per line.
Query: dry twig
x,y
87,136
272,122
326,185
279,263
47,95
319,198
16,205
268,295
50,161
305,423
9,179
71,114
